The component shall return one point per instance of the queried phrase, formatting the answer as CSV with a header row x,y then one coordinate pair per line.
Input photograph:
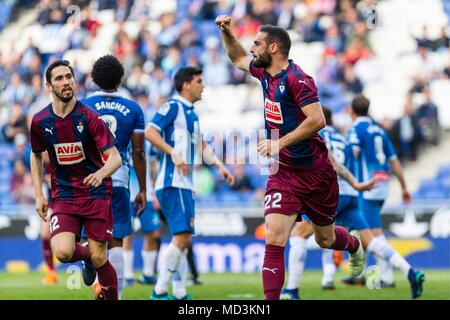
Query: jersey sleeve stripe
x,y
108,146
154,125
309,102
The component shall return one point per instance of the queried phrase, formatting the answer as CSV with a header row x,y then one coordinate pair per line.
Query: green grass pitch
x,y
227,287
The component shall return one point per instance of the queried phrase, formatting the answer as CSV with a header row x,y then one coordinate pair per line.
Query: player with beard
x,y
302,179
76,139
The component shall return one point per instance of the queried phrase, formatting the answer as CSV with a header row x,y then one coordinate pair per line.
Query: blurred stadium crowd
x,y
174,33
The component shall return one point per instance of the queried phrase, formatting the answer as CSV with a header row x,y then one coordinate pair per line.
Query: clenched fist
x,y
223,22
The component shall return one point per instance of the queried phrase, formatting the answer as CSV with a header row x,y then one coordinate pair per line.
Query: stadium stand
x,y
334,41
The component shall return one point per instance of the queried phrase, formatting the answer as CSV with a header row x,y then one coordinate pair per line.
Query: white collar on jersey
x,y
362,119
117,94
183,100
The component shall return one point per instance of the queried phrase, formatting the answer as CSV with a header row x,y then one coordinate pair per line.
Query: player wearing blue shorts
x,y
349,214
375,157
125,120
175,131
150,225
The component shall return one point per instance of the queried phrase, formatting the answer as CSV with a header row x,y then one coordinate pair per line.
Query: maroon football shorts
x,y
94,214
312,191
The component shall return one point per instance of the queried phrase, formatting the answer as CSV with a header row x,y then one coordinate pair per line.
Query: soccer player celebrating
x,y
376,157
349,214
175,131
125,120
76,139
305,181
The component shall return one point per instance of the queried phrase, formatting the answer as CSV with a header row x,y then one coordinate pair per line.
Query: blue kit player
x,y
125,120
175,131
375,157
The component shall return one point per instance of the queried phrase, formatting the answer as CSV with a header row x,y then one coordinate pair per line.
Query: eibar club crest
x,y
80,127
281,86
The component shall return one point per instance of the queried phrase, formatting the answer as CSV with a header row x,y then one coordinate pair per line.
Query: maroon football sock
x,y
80,253
48,255
107,278
345,241
273,272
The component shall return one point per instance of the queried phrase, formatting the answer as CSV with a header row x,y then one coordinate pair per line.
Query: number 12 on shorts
x,y
54,224
272,201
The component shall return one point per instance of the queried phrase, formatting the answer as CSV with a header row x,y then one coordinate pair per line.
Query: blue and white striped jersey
x,y
342,152
179,127
375,152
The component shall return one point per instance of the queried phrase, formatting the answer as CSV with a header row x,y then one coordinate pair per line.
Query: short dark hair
x,y
107,72
53,65
328,115
277,35
360,105
185,74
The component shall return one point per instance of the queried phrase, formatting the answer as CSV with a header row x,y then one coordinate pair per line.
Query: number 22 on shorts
x,y
272,201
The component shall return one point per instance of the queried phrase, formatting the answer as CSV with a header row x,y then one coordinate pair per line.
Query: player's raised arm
x,y
139,164
235,50
36,162
111,165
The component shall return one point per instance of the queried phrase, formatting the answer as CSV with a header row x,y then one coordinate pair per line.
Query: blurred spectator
x,y
242,182
443,42
428,118
24,194
351,81
215,64
138,81
19,171
122,10
407,132
16,124
424,41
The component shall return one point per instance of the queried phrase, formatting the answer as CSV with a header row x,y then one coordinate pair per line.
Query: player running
x,y
375,158
175,131
76,139
305,180
349,214
125,119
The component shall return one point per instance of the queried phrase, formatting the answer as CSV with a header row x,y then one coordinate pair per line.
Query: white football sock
x,y
386,270
180,277
296,262
384,250
328,266
170,264
149,259
117,261
128,258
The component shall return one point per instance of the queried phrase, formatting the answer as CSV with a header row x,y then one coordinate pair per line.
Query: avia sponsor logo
x,y
272,111
69,153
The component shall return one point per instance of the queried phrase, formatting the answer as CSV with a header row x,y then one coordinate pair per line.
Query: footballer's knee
x,y
276,238
98,260
63,254
324,241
